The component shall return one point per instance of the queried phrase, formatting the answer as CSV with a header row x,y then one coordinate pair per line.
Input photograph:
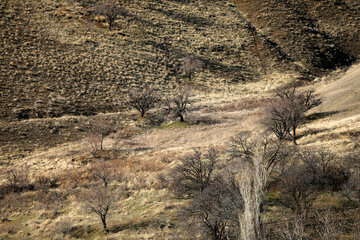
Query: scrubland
x,y
62,69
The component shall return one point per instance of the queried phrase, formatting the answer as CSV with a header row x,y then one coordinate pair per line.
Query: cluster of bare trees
x,y
175,105
227,192
288,111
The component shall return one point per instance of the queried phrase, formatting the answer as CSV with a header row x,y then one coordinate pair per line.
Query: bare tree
x,y
178,104
297,189
288,112
255,160
99,201
100,127
103,172
213,212
110,10
276,120
194,173
143,99
243,148
190,65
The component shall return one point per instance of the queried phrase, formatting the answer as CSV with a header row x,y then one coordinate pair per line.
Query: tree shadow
x,y
131,225
319,115
187,18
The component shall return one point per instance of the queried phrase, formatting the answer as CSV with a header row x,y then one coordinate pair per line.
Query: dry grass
x,y
143,159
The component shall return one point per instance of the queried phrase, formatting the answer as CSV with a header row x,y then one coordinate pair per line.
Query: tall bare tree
x,y
254,160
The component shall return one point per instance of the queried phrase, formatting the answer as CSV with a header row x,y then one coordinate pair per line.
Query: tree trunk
x,y
181,118
294,135
103,219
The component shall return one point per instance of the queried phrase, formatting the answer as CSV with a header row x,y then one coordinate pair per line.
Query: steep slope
x,y
57,59
315,34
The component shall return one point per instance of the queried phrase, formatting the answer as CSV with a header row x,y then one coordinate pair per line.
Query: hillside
x,y
59,60
62,69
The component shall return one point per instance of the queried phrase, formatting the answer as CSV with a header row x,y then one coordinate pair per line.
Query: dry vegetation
x,y
76,163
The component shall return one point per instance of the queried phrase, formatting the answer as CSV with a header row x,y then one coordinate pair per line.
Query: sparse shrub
x,y
327,227
17,181
292,228
17,178
100,128
143,99
194,174
63,227
45,183
103,172
190,65
110,10
178,104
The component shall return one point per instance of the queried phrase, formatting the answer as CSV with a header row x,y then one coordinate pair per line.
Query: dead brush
x,y
44,183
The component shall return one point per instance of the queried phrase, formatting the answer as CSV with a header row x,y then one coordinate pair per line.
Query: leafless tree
x,y
297,188
276,121
288,112
100,127
143,99
179,103
311,171
194,174
110,10
99,201
244,145
190,65
255,159
213,212
103,172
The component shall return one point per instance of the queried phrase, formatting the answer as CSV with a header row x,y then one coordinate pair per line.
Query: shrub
x,y
194,174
